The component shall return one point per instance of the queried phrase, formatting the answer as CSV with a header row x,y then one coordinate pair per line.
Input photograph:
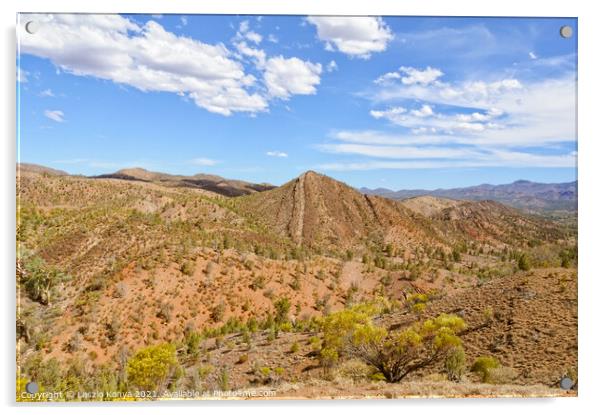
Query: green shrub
x,y
282,306
193,341
483,365
223,379
152,367
187,268
217,312
395,355
523,263
455,364
501,375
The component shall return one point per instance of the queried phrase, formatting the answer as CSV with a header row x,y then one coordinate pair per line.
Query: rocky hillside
x,y
318,211
238,284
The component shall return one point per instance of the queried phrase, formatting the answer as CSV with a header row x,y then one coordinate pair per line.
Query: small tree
x,y
397,355
523,263
282,306
455,364
39,280
352,333
152,367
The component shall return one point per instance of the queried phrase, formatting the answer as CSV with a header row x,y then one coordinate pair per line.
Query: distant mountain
x,y
522,194
212,183
36,168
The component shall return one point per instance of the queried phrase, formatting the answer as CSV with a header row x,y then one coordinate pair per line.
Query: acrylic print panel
x,y
275,207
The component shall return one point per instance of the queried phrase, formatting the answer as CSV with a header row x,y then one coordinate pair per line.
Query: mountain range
x,y
522,194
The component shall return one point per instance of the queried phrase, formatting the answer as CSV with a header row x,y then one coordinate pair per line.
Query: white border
x,y
590,370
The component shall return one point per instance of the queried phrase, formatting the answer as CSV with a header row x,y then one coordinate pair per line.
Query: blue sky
x,y
396,102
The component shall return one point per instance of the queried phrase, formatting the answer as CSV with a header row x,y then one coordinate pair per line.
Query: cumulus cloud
x,y
390,113
502,122
55,115
424,120
410,76
354,36
244,32
277,154
287,76
146,57
150,58
532,55
332,66
258,55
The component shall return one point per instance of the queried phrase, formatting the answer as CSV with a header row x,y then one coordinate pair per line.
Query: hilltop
x,y
316,210
213,183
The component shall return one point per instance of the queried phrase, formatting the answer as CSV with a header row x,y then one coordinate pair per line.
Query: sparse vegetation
x,y
132,250
483,366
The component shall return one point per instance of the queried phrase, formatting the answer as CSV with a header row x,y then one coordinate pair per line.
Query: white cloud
x,y
403,152
391,113
478,123
286,76
202,161
272,38
184,20
411,76
257,54
503,112
254,37
55,115
532,55
146,57
21,76
512,160
425,120
244,32
47,93
416,76
276,154
424,111
332,66
354,36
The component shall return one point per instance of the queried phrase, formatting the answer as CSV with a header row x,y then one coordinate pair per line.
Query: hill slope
x,y
317,211
144,262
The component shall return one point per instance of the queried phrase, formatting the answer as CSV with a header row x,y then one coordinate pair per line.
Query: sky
x,y
392,102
